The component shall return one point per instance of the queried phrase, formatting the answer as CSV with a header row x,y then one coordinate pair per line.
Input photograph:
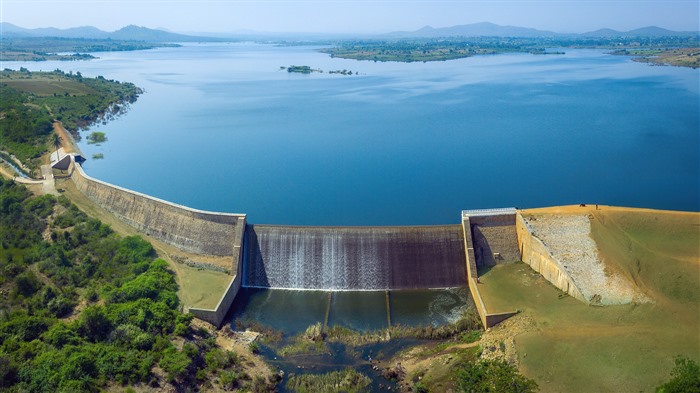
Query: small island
x,y
96,137
300,69
308,70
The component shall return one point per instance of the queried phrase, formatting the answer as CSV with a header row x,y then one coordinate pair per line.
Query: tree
x,y
685,378
94,324
56,141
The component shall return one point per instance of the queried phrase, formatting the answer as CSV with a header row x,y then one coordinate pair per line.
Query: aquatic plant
x,y
347,380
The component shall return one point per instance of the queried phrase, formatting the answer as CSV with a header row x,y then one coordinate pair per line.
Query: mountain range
x,y
127,33
493,30
138,33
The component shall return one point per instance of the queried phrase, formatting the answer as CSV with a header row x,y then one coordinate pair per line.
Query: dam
x,y
335,259
353,258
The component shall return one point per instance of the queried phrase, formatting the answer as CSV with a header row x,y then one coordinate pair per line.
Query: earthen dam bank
x,y
335,258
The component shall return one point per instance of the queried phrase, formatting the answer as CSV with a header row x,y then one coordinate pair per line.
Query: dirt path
x,y
67,141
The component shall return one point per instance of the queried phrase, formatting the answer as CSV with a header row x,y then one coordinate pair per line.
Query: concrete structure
x,y
540,259
192,230
336,258
354,258
494,232
62,164
494,236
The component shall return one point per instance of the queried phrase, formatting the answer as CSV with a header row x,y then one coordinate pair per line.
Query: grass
x,y
304,347
48,85
201,288
347,380
575,347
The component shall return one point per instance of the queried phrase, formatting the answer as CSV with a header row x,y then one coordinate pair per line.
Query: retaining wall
x,y
217,315
495,239
192,230
536,254
487,319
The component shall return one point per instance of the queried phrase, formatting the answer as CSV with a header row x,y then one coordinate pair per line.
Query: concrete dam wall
x,y
192,230
354,258
495,239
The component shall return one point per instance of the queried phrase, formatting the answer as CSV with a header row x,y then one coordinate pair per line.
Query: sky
x,y
356,16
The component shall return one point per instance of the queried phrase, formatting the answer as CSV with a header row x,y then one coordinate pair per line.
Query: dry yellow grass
x,y
574,347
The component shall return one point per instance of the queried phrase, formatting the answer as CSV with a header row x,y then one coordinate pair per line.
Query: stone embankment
x,y
191,230
562,250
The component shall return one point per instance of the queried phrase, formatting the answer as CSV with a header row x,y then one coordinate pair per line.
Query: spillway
x,y
354,258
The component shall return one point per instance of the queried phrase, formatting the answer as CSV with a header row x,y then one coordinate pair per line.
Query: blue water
x,y
222,128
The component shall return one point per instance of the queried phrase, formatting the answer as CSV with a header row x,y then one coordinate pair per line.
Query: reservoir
x,y
222,127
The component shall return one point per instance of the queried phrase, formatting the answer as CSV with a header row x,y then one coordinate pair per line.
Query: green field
x,y
575,347
44,85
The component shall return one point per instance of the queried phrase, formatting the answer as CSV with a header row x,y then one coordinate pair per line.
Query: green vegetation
x,y
467,325
301,69
308,70
98,156
314,340
495,376
681,57
32,100
685,378
96,137
83,309
48,48
449,48
348,380
417,50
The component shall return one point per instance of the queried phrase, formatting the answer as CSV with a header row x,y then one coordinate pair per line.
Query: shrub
x,y
685,378
493,376
175,364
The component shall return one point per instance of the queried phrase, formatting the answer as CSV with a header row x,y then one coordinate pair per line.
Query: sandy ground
x,y
67,141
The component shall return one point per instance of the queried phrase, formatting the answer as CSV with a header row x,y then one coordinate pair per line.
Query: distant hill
x,y
128,33
482,29
487,29
476,30
649,31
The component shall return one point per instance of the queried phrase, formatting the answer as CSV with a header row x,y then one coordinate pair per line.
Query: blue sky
x,y
357,16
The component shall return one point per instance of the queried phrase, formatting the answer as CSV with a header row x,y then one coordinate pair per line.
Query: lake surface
x,y
221,127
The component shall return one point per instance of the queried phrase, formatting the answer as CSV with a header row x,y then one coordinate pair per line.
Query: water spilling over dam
x,y
354,258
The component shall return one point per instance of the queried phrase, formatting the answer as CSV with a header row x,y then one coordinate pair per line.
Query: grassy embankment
x,y
574,347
